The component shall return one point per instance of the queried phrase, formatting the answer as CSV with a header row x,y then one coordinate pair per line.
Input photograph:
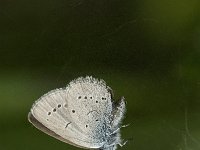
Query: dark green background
x,y
146,50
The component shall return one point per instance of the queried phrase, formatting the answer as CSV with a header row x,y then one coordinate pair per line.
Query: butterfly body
x,y
83,114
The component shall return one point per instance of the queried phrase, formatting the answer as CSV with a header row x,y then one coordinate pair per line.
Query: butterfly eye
x,y
54,110
59,105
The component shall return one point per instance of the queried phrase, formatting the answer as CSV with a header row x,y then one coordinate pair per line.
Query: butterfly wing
x,y
41,127
90,107
74,115
50,115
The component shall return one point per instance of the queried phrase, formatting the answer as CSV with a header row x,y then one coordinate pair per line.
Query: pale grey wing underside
x,y
91,107
50,114
44,129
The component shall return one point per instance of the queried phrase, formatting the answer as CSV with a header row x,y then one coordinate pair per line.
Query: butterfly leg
x,y
115,131
122,144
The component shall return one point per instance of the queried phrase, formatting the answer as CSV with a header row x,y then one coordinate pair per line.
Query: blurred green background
x,y
147,51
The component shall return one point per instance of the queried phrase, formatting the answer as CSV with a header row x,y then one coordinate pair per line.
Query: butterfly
x,y
82,114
